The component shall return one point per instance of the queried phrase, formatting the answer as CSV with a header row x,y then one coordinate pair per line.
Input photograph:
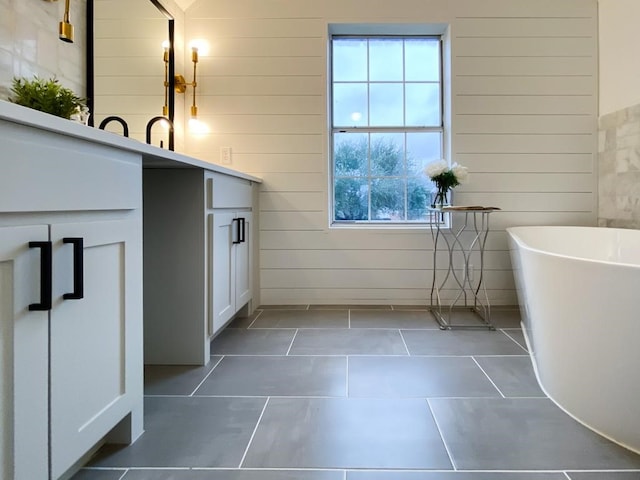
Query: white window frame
x,y
385,31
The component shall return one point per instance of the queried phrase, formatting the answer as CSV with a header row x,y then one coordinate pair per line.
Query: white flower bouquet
x,y
445,178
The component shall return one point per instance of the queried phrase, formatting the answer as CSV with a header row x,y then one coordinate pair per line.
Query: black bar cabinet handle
x,y
236,221
46,274
242,231
78,268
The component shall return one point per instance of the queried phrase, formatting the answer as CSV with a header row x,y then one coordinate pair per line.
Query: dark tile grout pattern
x,y
311,366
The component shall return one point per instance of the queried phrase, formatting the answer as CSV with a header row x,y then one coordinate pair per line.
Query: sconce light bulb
x,y
194,112
194,54
197,127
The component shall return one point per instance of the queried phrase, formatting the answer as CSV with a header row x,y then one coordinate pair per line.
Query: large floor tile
x,y
514,376
234,475
347,433
283,307
348,307
604,475
188,432
348,342
88,474
505,317
460,342
244,322
302,319
517,335
395,319
371,475
278,376
418,377
522,434
175,379
235,341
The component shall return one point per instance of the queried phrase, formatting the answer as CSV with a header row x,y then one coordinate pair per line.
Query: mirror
x,y
125,66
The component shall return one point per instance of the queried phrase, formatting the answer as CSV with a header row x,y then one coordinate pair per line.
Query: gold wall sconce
x,y
182,84
65,28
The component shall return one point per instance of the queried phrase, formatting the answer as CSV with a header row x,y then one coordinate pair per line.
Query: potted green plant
x,y
47,96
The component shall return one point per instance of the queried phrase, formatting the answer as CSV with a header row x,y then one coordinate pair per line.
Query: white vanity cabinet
x,y
23,357
230,242
70,300
197,260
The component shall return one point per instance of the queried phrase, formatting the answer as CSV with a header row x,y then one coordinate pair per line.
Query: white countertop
x,y
152,156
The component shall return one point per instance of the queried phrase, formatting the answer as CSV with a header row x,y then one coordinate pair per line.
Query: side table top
x,y
463,208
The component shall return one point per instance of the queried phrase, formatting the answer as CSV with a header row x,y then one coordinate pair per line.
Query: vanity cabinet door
x,y
222,267
23,356
96,334
229,265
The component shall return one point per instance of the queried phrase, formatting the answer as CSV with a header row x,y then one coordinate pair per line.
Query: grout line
x,y
274,469
404,343
165,396
567,475
487,375
246,450
124,474
206,376
181,469
514,340
345,475
426,329
371,355
291,344
446,447
347,378
417,397
355,469
254,320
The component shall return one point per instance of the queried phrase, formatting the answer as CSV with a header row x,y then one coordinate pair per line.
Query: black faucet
x,y
157,119
114,118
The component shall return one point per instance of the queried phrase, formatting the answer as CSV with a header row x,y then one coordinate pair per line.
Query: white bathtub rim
x,y
544,390
526,246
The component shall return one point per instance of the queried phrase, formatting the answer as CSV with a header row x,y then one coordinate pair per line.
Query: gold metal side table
x,y
460,243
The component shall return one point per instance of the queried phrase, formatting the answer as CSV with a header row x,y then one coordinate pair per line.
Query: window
x,y
387,124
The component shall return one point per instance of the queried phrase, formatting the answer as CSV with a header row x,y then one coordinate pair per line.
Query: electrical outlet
x,y
225,155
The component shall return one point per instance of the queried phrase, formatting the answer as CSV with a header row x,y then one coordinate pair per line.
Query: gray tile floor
x,y
349,393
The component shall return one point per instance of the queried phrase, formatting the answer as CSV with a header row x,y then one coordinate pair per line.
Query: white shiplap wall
x,y
523,99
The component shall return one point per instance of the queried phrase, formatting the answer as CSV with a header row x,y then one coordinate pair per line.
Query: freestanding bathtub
x,y
579,295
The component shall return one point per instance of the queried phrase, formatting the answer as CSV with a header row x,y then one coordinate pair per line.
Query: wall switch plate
x,y
225,155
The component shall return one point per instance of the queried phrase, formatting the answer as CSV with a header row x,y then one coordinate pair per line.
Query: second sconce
x,y
182,84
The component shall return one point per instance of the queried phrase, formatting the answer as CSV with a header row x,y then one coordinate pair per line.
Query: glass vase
x,y
441,198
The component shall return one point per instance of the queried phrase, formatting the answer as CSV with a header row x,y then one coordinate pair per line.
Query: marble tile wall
x,y
619,169
29,43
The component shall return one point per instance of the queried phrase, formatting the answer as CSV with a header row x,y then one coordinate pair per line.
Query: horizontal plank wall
x,y
523,95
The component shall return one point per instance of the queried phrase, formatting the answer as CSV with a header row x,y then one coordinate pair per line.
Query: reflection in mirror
x,y
126,68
